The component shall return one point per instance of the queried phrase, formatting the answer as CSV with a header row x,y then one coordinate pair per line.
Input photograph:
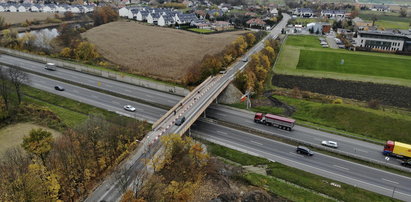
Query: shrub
x,y
337,101
373,104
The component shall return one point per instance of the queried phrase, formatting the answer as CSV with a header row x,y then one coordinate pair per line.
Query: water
x,y
42,37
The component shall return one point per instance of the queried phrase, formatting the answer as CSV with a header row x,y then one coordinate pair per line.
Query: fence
x,y
118,76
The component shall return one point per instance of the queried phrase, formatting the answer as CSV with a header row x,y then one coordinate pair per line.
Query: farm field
x,y
301,55
160,53
12,136
13,18
403,2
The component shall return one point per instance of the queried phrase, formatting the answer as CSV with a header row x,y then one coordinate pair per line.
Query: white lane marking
x,y
355,149
256,142
296,162
341,167
115,102
390,181
224,133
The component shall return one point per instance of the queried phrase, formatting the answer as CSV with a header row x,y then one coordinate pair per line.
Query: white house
x,y
36,8
123,12
333,14
21,8
165,20
132,14
152,18
49,8
382,8
142,15
3,7
274,11
73,9
88,8
62,8
12,8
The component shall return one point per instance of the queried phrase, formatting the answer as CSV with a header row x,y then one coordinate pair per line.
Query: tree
x,y
85,51
403,12
5,88
18,78
374,18
105,14
39,143
2,22
68,36
250,39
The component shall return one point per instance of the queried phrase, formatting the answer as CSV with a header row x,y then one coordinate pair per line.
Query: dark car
x,y
180,121
406,163
59,88
304,150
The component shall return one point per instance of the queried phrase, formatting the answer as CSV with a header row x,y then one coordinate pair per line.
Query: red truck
x,y
274,120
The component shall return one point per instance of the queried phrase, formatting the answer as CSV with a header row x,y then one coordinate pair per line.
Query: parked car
x,y
330,144
180,121
129,108
304,150
406,163
59,88
50,66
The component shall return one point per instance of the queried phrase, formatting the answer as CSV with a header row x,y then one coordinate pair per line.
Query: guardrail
x,y
118,76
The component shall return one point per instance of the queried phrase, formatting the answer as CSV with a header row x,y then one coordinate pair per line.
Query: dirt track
x,y
162,53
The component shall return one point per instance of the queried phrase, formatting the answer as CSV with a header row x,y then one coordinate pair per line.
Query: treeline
x,y
212,64
253,77
173,5
178,173
65,168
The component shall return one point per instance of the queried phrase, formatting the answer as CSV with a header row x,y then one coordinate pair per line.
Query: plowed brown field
x,y
157,52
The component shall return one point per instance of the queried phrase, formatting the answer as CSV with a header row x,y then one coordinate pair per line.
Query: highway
x,y
334,168
152,113
219,112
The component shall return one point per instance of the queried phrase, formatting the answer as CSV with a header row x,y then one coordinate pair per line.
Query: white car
x,y
330,144
130,108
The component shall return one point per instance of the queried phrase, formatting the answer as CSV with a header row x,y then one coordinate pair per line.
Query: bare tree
x,y
5,88
18,78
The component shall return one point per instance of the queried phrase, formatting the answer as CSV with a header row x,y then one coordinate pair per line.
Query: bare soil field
x,y
157,52
12,136
13,18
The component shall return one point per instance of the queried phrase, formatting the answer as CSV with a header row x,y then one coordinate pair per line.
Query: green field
x,y
355,64
302,55
401,2
201,31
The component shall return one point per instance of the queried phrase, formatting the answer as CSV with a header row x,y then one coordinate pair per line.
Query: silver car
x,y
129,108
329,143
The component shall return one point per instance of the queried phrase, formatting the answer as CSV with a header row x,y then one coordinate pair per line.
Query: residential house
x,y
165,20
62,8
152,18
88,8
50,8
75,9
12,8
124,12
3,7
36,8
132,14
333,14
256,22
200,13
274,12
201,24
142,15
304,12
382,8
185,18
221,26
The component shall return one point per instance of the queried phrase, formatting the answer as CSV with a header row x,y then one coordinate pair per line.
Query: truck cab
x,y
259,118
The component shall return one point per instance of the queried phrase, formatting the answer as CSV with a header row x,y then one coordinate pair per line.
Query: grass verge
x,y
315,183
201,31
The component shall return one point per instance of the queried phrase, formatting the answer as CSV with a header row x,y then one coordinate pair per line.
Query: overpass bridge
x,y
191,107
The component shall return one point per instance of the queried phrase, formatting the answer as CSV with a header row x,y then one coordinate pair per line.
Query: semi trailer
x,y
274,120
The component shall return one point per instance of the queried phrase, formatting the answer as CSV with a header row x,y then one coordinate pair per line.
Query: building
x,y
303,12
382,8
392,40
333,14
